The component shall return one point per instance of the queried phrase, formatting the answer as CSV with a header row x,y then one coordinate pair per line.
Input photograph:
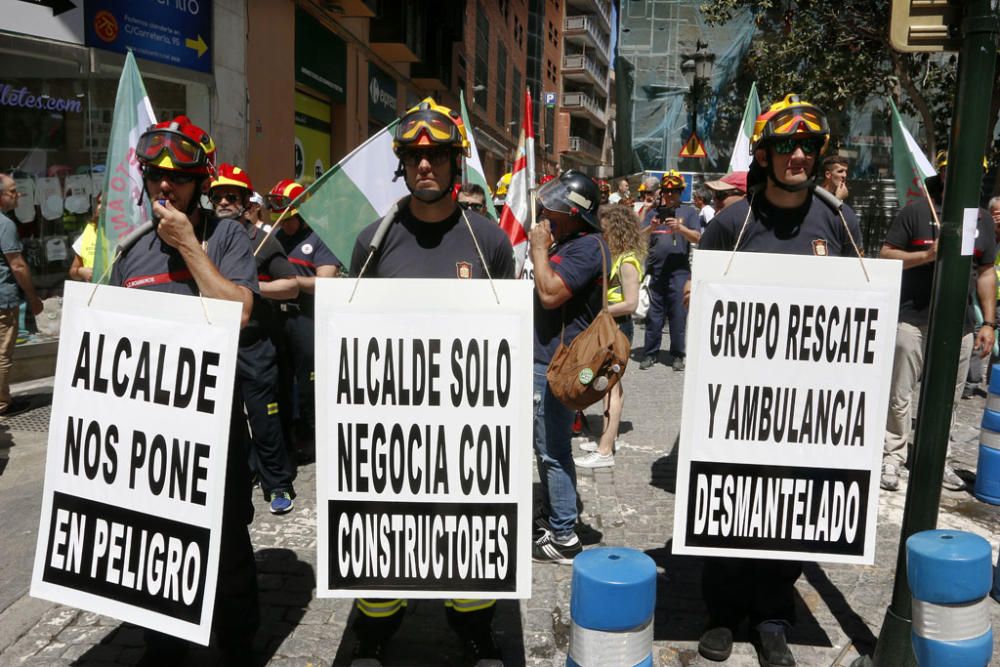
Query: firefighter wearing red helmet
x,y
257,363
781,215
430,236
311,258
193,252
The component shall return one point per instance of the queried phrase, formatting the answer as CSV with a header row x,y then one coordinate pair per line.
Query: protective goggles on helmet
x,y
183,151
440,129
795,120
279,201
787,145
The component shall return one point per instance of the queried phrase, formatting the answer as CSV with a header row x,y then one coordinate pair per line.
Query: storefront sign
x,y
135,471
312,138
60,20
424,448
12,96
785,396
381,95
320,58
177,33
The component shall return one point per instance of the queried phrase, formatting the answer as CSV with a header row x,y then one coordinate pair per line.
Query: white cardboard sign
x,y
135,472
785,397
423,438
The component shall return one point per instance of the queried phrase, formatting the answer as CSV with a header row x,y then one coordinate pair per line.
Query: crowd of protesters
x,y
255,249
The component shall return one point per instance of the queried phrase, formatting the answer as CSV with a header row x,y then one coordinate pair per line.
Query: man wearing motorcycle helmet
x,y
194,252
569,274
431,236
780,215
672,229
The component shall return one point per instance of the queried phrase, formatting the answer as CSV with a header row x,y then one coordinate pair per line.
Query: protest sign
x,y
135,471
423,438
785,397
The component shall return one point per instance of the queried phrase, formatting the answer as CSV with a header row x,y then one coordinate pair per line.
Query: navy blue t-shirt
x,y
811,229
306,251
577,262
412,248
663,242
272,264
153,264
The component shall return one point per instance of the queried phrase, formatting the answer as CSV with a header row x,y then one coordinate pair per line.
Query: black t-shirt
x,y
663,242
305,251
272,264
912,230
153,264
445,249
811,229
577,262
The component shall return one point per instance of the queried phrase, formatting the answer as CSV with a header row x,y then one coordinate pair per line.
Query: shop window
x,y
53,141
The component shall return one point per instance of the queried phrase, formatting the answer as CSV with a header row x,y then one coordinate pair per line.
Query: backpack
x,y
581,373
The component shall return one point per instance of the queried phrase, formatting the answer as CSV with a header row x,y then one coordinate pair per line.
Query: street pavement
x,y
840,607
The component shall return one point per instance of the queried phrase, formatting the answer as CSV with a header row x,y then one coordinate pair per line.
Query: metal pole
x,y
948,302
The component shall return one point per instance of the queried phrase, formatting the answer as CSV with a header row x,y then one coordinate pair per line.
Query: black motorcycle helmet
x,y
573,193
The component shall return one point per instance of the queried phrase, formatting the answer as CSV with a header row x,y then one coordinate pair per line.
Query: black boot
x,y
374,634
716,643
476,631
772,649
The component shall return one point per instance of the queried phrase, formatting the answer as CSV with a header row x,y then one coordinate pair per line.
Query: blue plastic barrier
x,y
987,488
950,573
611,605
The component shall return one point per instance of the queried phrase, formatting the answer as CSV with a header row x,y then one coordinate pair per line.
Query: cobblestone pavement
x,y
840,608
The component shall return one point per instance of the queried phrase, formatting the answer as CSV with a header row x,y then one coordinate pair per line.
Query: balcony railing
x,y
583,101
601,8
581,62
585,24
581,145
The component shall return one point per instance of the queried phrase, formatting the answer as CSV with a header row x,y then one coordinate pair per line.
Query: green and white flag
x,y
354,193
741,158
121,212
473,166
909,164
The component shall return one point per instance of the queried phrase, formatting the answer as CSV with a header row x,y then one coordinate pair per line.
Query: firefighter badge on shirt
x,y
819,248
463,269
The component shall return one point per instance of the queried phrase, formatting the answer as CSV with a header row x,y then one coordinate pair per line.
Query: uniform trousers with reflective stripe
x,y
297,364
907,366
257,374
236,615
378,618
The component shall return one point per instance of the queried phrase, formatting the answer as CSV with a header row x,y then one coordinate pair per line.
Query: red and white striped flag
x,y
515,219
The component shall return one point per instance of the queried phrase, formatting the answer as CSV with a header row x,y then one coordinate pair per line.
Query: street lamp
x,y
697,70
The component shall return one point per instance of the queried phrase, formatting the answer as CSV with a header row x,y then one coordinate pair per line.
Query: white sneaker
x,y
588,445
951,480
890,477
595,460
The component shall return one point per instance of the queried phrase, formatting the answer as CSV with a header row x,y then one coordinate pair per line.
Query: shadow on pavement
x,y
286,586
681,615
6,442
426,640
850,622
663,472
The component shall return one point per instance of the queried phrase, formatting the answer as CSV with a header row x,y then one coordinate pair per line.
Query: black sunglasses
x,y
219,197
475,206
176,177
436,157
809,146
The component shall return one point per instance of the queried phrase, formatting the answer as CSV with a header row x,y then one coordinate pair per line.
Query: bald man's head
x,y
8,194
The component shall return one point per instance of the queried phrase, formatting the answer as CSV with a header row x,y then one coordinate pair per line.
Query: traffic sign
x,y
177,33
693,148
550,99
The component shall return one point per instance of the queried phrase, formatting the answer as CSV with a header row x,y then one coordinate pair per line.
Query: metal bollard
x,y
987,487
949,573
611,605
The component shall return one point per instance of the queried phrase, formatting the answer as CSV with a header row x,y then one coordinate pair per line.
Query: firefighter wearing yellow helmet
x,y
783,215
428,235
434,130
500,193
